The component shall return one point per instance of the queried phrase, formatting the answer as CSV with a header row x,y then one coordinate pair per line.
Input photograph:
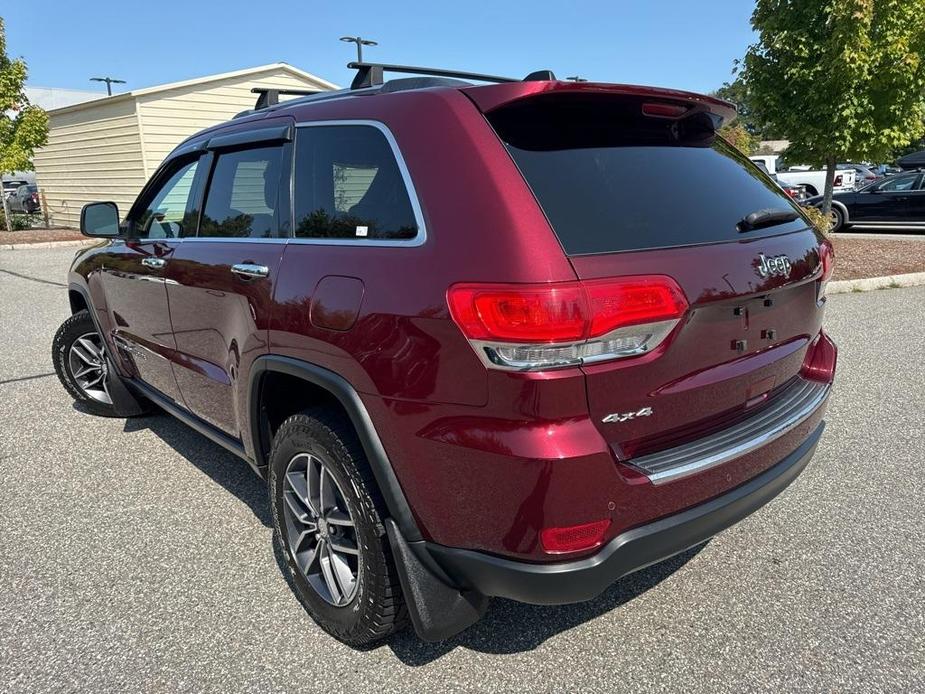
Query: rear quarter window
x,y
610,179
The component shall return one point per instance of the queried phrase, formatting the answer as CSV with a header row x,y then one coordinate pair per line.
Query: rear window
x,y
610,179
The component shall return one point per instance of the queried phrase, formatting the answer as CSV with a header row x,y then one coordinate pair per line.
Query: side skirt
x,y
211,432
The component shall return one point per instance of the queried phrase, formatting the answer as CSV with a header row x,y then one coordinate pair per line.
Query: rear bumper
x,y
584,579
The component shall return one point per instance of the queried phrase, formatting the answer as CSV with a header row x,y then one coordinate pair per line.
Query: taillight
x,y
541,326
821,359
573,538
827,260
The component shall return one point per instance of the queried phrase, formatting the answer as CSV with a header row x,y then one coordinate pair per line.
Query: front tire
x,y
327,522
80,361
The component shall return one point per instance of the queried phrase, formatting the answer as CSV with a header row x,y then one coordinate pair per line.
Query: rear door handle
x,y
155,263
250,271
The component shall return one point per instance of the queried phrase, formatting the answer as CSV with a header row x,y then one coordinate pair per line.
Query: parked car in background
x,y
864,174
25,199
527,390
811,181
10,186
798,193
895,201
912,161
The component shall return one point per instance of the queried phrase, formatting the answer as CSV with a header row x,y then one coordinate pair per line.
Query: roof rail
x,y
370,74
269,96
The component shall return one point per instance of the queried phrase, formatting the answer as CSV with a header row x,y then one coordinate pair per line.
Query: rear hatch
x,y
637,182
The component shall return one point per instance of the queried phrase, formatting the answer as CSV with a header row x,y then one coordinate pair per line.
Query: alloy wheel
x,y
87,363
321,533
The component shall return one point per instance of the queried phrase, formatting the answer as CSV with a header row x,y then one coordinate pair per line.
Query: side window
x,y
243,195
348,186
899,183
169,215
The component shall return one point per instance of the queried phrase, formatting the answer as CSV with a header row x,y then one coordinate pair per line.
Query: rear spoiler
x,y
492,97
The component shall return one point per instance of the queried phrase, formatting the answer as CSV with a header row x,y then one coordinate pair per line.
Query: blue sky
x,y
674,43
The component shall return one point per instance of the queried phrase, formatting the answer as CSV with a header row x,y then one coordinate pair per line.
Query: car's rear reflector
x,y
574,538
535,326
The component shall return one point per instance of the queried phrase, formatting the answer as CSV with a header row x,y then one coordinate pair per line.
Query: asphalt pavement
x,y
136,556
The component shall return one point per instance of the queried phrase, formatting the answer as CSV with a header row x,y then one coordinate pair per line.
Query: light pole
x,y
360,42
109,82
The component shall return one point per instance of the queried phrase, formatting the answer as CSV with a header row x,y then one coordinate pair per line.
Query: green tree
x,y
840,79
738,135
23,127
737,92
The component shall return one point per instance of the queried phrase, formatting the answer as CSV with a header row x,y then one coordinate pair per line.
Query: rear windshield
x,y
610,179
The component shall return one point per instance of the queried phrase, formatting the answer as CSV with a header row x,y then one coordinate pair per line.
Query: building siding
x,y
108,149
168,118
92,154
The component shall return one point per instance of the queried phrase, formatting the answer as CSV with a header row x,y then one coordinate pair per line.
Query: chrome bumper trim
x,y
789,409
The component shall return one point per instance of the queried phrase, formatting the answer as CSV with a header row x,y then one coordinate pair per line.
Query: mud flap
x,y
437,610
124,402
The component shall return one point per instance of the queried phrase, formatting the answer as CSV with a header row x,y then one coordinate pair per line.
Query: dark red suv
x,y
517,339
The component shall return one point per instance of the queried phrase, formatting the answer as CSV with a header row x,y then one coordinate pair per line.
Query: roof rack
x,y
269,96
370,74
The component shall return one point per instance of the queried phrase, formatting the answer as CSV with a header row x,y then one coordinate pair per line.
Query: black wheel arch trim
x,y
347,396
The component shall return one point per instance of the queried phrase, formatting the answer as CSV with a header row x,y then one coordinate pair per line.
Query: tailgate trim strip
x,y
790,409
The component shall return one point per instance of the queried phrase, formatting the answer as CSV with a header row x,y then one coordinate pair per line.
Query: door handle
x,y
250,271
155,263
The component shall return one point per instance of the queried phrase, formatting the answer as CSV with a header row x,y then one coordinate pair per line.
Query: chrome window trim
x,y
791,408
421,236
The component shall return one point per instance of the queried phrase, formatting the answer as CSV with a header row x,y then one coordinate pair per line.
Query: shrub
x,y
19,222
818,220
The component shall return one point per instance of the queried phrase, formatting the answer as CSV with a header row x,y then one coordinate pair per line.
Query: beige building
x,y
107,148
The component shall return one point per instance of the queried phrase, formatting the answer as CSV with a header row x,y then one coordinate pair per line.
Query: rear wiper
x,y
766,218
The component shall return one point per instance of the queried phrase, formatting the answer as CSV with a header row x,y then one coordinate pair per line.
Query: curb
x,y
867,284
46,244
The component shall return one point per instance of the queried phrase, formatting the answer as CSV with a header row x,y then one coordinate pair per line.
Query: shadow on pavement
x,y
513,627
225,468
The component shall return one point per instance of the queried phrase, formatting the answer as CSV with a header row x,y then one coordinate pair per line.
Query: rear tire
x,y
836,218
327,522
80,361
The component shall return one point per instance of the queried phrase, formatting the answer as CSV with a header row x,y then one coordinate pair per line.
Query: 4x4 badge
x,y
626,416
778,265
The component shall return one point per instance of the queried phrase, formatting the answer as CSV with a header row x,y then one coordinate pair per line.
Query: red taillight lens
x,y
528,313
573,538
633,301
821,359
562,311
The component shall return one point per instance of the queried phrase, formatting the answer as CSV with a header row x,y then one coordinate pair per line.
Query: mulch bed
x,y
857,258
39,236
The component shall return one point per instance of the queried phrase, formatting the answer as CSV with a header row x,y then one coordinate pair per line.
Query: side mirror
x,y
100,219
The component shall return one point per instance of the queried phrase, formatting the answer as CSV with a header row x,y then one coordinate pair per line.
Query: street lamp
x,y
109,82
360,42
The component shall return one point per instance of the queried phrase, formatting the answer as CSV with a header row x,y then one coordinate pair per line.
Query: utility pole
x,y
109,82
360,42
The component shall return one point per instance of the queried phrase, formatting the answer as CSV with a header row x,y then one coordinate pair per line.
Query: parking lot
x,y
136,555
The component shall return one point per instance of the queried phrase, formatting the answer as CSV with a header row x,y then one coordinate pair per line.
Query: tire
x,y
837,218
310,451
79,358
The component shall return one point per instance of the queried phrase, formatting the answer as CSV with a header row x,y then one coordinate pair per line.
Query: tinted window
x,y
348,186
242,200
168,214
899,183
611,179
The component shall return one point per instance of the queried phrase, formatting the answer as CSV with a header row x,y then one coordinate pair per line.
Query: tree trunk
x,y
6,211
829,184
